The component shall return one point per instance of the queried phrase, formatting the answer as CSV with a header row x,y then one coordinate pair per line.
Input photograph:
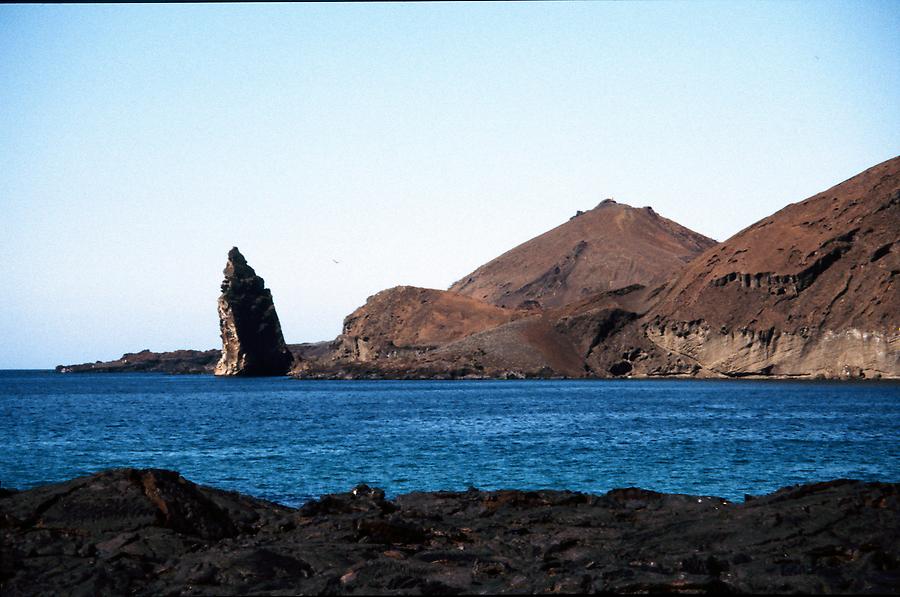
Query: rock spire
x,y
252,342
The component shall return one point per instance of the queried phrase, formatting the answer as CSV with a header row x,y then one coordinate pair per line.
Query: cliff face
x,y
811,290
252,342
608,247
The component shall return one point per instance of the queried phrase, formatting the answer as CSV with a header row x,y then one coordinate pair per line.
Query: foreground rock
x,y
152,532
252,342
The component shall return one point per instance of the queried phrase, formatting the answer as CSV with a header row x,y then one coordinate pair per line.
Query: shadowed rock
x,y
151,532
252,342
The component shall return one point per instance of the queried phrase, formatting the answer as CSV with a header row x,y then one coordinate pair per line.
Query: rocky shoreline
x,y
153,532
169,363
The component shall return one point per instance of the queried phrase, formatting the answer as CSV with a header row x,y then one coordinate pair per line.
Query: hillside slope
x,y
611,246
406,319
813,289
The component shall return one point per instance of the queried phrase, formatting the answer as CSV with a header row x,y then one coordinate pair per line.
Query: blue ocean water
x,y
288,440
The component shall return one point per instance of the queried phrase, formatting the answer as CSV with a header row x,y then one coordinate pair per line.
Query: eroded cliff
x,y
813,290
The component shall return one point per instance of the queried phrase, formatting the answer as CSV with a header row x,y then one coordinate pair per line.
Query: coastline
x,y
192,362
151,531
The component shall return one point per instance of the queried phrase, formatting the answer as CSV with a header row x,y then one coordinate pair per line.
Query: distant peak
x,y
607,202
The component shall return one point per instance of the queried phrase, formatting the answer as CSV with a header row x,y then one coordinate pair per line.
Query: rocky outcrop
x,y
465,338
181,361
252,342
813,290
399,330
611,246
407,319
151,532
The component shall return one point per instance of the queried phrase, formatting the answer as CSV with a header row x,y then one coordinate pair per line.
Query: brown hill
x,y
546,343
608,247
406,320
811,290
409,332
538,310
545,327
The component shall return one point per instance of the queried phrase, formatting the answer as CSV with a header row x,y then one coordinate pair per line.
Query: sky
x,y
348,148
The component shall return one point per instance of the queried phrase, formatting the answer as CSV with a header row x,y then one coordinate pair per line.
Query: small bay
x,y
289,441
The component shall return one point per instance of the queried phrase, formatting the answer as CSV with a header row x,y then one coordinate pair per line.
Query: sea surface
x,y
290,441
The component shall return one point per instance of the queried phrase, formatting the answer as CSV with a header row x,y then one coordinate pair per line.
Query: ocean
x,y
290,441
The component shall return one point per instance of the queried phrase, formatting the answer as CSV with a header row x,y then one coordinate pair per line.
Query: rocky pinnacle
x,y
252,342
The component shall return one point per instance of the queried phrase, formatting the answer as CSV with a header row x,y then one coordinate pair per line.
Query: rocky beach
x,y
152,532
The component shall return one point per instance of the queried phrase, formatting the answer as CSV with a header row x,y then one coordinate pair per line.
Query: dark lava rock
x,y
252,342
152,532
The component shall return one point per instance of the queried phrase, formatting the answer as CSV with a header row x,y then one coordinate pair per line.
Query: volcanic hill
x,y
600,266
813,289
611,246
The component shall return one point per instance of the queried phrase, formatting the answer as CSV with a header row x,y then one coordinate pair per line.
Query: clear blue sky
x,y
410,142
